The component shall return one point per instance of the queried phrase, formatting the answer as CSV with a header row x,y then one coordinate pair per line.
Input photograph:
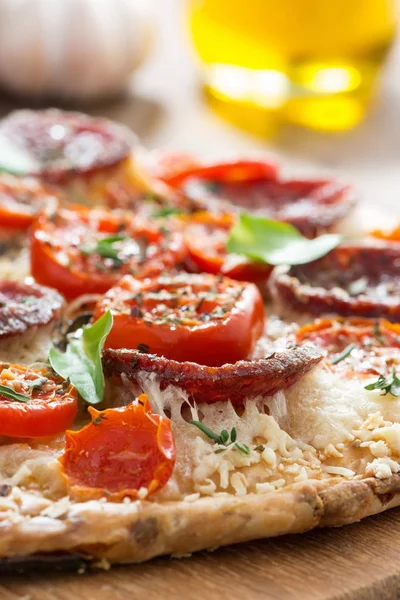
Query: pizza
x,y
192,353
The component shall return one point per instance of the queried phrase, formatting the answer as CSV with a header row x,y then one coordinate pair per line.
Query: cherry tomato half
x,y
121,451
203,318
21,199
81,250
356,346
50,407
206,235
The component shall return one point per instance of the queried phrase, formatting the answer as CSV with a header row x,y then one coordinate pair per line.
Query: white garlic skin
x,y
72,49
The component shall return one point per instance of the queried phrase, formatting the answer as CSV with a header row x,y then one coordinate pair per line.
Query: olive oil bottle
x,y
310,62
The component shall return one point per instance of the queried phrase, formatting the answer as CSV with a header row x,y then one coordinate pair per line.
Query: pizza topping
x,y
62,144
223,439
21,199
326,286
121,453
276,243
24,306
202,318
206,237
81,250
311,206
356,347
183,174
390,235
388,385
81,362
234,382
34,402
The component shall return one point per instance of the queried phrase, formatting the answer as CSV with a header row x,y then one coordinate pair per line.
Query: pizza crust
x,y
139,531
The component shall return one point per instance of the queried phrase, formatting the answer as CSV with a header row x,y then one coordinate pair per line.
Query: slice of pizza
x,y
199,373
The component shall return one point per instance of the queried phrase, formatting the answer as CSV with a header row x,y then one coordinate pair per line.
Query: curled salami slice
x,y
235,382
352,280
356,346
313,206
64,144
25,306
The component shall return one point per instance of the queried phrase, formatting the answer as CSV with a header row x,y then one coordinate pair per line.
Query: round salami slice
x,y
312,206
352,280
356,346
24,306
234,382
66,144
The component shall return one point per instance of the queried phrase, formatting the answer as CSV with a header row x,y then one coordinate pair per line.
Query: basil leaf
x,y
276,243
167,212
10,393
14,160
81,362
104,247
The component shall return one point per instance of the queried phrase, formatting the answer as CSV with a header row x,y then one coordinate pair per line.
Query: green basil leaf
x,y
167,212
81,362
104,247
276,243
10,393
14,160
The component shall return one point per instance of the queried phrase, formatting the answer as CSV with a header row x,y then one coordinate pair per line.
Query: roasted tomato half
x,y
224,172
21,199
34,402
201,318
206,235
356,346
123,452
81,250
361,280
313,206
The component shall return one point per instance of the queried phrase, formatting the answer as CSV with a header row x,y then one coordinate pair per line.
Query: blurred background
x,y
314,81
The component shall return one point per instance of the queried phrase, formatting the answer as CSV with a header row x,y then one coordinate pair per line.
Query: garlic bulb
x,y
72,49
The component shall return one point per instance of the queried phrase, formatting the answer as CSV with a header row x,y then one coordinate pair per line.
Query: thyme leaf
x,y
344,354
224,438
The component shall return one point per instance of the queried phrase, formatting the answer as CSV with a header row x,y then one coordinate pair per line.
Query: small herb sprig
x,y
344,354
224,438
388,385
12,395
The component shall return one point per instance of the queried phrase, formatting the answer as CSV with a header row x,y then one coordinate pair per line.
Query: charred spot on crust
x,y
145,531
236,382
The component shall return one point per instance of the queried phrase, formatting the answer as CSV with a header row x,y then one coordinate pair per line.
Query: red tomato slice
x,y
374,344
229,171
206,235
51,407
121,451
81,250
21,199
201,318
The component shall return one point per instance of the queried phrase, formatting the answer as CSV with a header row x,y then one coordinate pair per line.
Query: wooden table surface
x,y
357,562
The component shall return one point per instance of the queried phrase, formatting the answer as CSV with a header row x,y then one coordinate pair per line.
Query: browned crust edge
x,y
122,533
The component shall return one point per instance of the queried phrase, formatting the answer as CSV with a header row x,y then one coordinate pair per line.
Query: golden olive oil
x,y
310,62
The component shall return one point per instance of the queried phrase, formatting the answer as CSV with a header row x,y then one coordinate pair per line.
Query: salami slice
x,y
234,382
65,144
26,306
312,206
353,280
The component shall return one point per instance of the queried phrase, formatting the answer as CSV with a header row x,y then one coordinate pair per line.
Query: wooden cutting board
x,y
357,562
